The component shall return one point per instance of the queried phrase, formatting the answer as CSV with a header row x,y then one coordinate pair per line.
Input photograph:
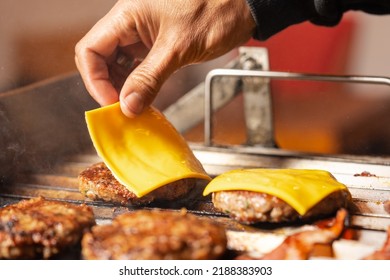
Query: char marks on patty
x,y
40,229
156,234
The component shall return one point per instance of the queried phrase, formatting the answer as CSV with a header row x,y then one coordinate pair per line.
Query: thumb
x,y
144,82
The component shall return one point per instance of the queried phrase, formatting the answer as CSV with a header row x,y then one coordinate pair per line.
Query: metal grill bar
x,y
272,75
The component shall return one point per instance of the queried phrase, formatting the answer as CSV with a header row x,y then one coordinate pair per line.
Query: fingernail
x,y
132,105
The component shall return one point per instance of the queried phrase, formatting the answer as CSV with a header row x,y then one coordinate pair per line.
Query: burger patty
x,y
98,183
38,228
253,207
155,234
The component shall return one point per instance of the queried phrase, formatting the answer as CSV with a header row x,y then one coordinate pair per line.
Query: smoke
x,y
11,148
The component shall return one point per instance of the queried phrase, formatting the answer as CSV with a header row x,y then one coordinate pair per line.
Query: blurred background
x,y
37,39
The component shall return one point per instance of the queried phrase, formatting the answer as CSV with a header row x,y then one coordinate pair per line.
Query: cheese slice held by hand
x,y
143,153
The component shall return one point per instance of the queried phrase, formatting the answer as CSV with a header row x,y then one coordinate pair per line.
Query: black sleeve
x,y
272,16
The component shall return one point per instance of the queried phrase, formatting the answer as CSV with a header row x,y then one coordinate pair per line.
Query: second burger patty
x,y
252,207
156,234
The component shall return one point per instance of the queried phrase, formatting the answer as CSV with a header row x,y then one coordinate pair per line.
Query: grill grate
x,y
60,183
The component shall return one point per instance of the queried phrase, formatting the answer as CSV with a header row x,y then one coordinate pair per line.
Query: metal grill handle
x,y
274,75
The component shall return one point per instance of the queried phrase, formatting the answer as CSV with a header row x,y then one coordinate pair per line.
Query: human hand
x,y
138,44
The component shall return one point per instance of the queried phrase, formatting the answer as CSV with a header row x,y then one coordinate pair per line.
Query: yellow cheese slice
x,y
300,188
143,153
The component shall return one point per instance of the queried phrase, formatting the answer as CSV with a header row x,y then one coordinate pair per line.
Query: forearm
x,y
272,16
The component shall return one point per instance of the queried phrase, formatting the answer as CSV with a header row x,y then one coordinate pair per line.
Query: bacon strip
x,y
299,246
384,252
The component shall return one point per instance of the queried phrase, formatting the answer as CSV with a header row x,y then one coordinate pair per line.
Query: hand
x,y
131,51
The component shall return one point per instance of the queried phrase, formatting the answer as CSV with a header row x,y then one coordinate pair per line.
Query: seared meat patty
x,y
38,228
155,234
253,207
98,183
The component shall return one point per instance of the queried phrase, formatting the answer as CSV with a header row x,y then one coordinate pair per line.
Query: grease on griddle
x,y
365,174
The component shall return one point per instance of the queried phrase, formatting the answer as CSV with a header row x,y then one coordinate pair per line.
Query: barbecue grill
x,y
45,146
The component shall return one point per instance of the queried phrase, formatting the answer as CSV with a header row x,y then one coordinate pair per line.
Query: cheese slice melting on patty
x,y
143,153
300,188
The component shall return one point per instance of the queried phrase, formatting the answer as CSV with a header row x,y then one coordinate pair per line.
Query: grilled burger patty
x,y
98,183
155,234
39,228
253,207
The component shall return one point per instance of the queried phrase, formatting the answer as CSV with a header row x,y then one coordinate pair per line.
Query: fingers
x,y
143,84
96,52
94,72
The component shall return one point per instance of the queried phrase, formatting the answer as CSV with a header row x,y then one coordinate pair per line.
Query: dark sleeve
x,y
272,16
